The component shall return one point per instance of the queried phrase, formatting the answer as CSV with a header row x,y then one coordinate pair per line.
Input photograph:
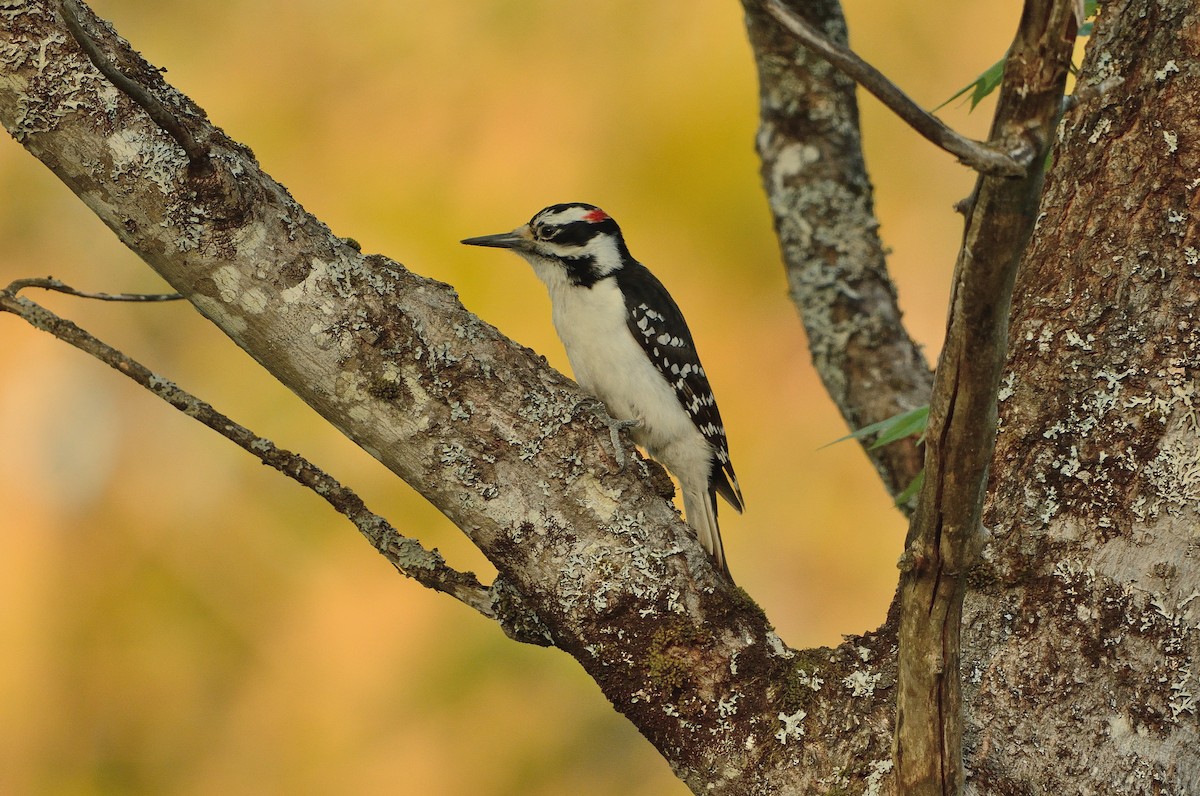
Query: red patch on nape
x,y
595,216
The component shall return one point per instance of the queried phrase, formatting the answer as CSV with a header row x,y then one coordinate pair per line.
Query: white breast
x,y
609,363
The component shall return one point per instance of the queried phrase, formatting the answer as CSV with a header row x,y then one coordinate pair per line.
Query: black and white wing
x,y
657,324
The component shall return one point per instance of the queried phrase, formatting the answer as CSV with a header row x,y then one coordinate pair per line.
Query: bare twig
x,y
197,151
58,286
982,157
945,536
406,555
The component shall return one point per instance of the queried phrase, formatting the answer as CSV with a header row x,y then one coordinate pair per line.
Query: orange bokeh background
x,y
176,618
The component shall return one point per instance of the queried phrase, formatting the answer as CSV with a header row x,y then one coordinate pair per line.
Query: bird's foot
x,y
615,427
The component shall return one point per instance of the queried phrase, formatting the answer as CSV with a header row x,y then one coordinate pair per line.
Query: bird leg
x,y
615,427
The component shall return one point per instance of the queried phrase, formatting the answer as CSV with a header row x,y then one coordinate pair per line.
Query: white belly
x,y
610,364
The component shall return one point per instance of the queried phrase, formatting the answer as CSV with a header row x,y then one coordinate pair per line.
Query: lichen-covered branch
x,y
945,536
820,197
1082,623
197,151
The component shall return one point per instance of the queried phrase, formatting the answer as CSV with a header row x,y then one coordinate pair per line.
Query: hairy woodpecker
x,y
629,346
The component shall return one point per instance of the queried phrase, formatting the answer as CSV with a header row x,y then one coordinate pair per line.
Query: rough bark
x,y
1082,631
1081,636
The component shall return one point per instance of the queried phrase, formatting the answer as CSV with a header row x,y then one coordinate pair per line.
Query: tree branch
x,y
820,197
984,158
407,555
50,283
945,536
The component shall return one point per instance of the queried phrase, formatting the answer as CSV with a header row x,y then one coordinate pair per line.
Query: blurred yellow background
x,y
176,618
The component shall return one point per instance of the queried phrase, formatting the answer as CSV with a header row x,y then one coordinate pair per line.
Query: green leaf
x,y
913,488
981,86
894,428
905,425
987,82
1090,8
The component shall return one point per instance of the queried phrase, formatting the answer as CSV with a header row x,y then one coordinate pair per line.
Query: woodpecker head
x,y
572,243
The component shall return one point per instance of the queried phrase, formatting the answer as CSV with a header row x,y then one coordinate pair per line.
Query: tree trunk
x,y
1082,627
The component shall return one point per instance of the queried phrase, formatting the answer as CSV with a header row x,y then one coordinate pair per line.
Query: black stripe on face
x,y
589,222
581,270
563,232
574,233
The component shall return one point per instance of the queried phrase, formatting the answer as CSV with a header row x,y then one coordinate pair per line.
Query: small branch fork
x,y
984,158
407,555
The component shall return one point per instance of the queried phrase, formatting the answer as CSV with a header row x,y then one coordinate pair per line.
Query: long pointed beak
x,y
504,240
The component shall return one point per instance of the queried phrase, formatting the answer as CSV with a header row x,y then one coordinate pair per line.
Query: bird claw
x,y
615,427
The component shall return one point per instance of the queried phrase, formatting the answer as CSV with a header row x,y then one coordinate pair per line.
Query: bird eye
x,y
546,233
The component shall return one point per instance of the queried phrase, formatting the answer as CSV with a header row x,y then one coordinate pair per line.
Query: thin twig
x,y
979,156
197,152
406,555
50,283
